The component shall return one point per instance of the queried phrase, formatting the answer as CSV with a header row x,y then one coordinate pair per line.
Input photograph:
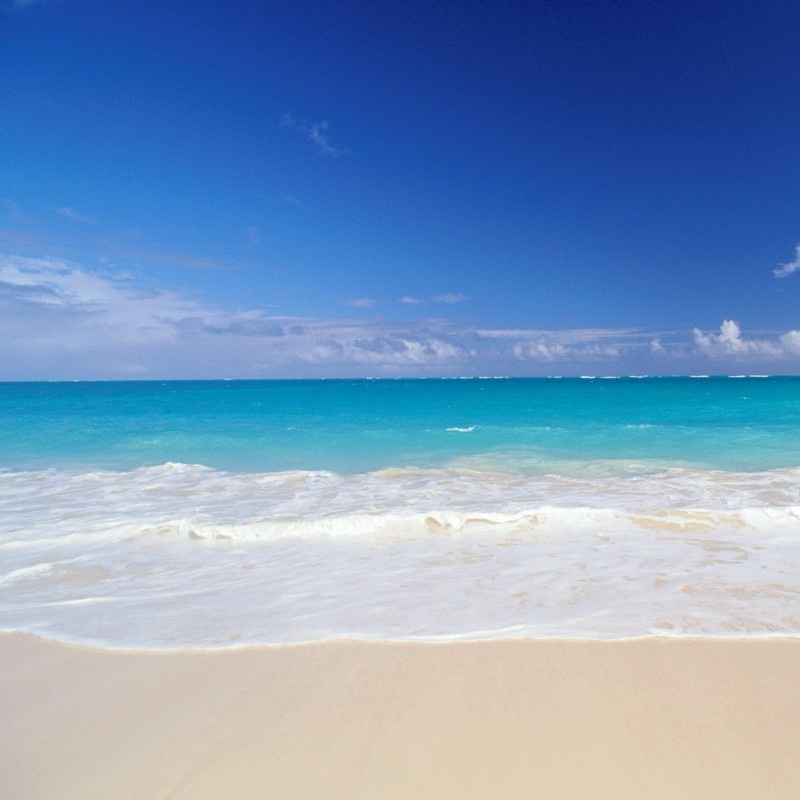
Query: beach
x,y
400,589
657,718
399,401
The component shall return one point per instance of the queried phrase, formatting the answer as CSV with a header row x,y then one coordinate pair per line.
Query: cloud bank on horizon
x,y
62,321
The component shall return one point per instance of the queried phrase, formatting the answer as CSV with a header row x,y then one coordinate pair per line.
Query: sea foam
x,y
402,510
187,556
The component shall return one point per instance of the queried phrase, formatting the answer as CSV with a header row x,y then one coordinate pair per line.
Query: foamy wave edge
x,y
544,521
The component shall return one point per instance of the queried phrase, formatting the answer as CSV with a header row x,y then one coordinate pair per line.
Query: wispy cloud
x,y
76,216
569,336
317,132
784,270
451,298
555,351
572,347
568,345
382,350
175,258
411,301
60,319
58,284
361,302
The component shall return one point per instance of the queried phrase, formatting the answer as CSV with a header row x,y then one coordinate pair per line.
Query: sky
x,y
199,189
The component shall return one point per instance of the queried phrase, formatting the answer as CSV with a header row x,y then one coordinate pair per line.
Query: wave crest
x,y
544,521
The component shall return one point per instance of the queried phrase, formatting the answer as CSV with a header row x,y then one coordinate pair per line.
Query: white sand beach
x,y
654,718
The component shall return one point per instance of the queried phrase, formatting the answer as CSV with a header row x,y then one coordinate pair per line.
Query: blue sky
x,y
314,189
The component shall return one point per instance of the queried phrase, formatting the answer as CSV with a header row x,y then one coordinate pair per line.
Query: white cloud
x,y
582,345
76,216
568,336
54,282
60,320
543,350
76,308
383,351
411,301
784,270
450,298
729,342
360,302
790,343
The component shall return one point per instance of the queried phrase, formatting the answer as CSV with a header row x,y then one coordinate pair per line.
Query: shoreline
x,y
443,641
658,717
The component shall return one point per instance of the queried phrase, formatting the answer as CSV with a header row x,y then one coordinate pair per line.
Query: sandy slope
x,y
526,719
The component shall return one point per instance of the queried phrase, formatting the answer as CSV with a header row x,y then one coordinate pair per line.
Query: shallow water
x,y
409,510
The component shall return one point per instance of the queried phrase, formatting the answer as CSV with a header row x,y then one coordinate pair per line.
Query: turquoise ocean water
x,y
150,514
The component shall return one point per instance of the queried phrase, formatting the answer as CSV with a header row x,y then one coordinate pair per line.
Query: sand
x,y
654,718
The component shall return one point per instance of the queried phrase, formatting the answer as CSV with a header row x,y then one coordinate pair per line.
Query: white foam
x,y
182,555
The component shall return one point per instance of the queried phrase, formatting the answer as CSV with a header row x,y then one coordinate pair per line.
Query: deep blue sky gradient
x,y
543,166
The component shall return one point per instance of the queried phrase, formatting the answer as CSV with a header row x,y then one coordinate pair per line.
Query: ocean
x,y
225,513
